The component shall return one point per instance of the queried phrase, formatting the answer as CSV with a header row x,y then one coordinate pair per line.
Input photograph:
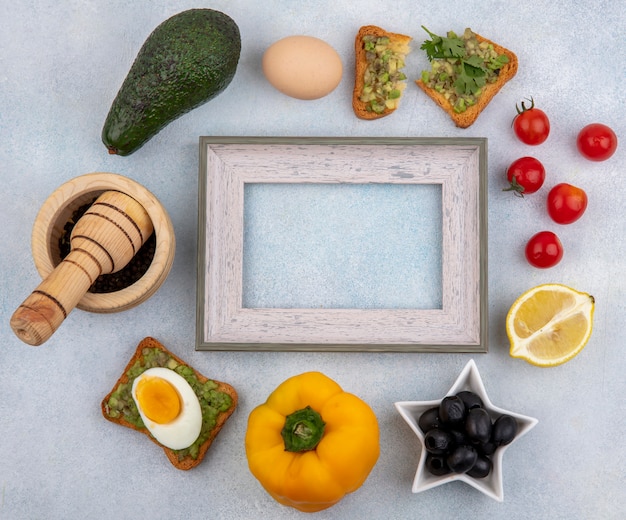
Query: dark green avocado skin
x,y
187,60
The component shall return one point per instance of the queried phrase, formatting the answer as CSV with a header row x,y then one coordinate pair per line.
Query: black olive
x,y
452,410
470,399
481,468
504,430
487,448
478,425
459,437
462,459
437,465
437,441
429,419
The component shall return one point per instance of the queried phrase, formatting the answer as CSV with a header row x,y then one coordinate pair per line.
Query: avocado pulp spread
x,y
212,401
383,78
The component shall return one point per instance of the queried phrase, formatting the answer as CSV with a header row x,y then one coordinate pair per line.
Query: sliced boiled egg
x,y
168,406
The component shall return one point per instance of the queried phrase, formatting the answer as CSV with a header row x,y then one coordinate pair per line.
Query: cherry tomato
x,y
531,125
566,203
526,176
544,250
596,142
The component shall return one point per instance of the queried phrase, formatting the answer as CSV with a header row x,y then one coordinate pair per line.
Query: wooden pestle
x,y
103,241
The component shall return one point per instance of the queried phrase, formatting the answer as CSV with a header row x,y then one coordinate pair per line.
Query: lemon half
x,y
550,324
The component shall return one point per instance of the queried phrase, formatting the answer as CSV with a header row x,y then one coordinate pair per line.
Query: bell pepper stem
x,y
303,430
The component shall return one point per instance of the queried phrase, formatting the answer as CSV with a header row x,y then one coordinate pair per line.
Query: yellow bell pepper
x,y
311,443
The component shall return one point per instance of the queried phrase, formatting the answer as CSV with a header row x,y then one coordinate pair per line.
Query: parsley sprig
x,y
472,72
439,47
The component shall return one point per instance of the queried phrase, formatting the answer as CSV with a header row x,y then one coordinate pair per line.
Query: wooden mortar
x,y
103,241
59,208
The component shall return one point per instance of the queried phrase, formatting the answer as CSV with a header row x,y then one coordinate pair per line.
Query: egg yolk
x,y
158,399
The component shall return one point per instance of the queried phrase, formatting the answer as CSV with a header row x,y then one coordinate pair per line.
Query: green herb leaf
x,y
471,79
453,47
477,62
440,47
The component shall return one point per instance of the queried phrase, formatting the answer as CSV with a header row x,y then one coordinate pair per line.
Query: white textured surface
x,y
61,64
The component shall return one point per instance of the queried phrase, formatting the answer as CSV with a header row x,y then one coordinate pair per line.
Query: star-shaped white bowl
x,y
491,485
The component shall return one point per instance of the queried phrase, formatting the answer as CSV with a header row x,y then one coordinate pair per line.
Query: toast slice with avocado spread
x,y
378,79
218,401
466,73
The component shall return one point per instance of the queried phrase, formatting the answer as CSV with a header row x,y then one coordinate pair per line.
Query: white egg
x,y
182,431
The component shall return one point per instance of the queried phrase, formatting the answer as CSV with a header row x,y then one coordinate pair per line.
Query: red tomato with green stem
x,y
544,250
526,175
531,125
566,203
596,142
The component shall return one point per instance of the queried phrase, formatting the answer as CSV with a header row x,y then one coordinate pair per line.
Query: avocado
x,y
186,61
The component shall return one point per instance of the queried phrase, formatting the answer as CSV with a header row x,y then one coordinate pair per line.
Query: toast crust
x,y
399,42
467,118
188,462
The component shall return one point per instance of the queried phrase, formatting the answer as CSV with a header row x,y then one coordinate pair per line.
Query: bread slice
x,y
187,462
399,43
467,118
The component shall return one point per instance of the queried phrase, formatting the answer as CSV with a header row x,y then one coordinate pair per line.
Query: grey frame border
x,y
308,341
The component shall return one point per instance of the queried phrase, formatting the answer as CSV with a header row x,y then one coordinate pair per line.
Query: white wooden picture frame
x,y
227,164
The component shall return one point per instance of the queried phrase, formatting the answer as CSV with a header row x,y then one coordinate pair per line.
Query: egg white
x,y
184,429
